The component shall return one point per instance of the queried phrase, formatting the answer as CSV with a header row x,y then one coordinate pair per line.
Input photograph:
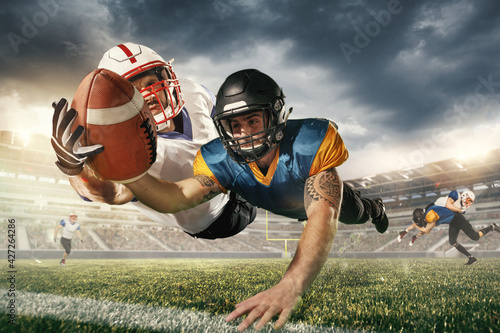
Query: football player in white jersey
x,y
69,229
182,110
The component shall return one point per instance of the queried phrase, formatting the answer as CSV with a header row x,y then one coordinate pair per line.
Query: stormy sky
x,y
408,82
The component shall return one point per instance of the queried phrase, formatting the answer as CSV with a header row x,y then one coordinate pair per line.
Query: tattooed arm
x,y
322,200
169,197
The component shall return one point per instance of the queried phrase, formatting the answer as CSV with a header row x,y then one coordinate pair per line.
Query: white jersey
x,y
175,156
455,196
69,229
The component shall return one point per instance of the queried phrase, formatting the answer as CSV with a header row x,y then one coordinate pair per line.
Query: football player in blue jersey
x,y
69,229
285,166
449,210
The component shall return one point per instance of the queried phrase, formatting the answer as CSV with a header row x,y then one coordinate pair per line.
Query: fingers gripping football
x,y
114,114
70,153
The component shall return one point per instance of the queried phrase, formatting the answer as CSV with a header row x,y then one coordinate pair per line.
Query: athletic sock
x,y
486,230
462,250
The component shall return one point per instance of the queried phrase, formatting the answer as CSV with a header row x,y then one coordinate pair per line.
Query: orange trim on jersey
x,y
331,153
431,216
200,167
266,180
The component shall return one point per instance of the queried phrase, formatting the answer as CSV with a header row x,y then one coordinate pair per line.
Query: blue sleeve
x,y
84,198
453,195
63,223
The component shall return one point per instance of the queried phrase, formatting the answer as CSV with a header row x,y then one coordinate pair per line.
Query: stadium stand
x,y
35,194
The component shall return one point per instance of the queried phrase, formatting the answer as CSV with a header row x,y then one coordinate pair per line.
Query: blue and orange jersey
x,y
439,214
308,147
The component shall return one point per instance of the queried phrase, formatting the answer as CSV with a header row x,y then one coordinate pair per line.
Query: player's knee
x,y
453,243
475,237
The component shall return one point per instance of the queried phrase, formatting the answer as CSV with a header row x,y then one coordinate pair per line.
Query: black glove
x,y
55,239
70,153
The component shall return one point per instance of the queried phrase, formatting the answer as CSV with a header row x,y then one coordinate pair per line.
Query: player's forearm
x,y
89,185
169,197
322,201
312,252
453,208
450,204
56,230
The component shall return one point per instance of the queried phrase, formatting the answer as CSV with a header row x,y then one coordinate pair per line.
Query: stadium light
x,y
23,137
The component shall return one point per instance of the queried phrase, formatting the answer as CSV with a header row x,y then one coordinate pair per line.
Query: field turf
x,y
379,295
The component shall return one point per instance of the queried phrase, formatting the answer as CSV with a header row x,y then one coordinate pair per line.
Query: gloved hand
x,y
70,153
55,239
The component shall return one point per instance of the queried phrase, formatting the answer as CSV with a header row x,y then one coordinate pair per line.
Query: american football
x,y
115,115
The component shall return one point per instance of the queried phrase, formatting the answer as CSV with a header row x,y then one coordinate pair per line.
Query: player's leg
x,y
379,217
455,227
404,232
357,210
237,214
66,243
468,229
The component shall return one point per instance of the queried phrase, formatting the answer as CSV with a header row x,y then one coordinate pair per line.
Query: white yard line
x,y
125,315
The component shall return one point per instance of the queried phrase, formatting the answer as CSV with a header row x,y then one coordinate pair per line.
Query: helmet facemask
x,y
467,199
134,61
165,94
249,148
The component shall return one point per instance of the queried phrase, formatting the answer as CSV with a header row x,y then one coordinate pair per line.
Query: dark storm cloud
x,y
362,42
43,48
389,69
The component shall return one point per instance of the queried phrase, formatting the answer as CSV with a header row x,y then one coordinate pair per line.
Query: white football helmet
x,y
467,198
133,61
73,216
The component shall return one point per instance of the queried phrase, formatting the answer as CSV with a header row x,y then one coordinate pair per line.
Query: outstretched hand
x,y
71,155
281,299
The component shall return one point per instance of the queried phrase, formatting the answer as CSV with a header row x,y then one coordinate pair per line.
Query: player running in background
x,y
451,202
286,167
184,124
449,210
69,229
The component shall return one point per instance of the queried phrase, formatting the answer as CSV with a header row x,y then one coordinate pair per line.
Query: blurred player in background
x,y
449,210
288,168
69,229
184,124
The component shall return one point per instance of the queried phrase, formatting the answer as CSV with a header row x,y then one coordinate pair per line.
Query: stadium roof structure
x,y
436,177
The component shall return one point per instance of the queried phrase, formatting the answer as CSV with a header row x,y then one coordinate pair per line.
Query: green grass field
x,y
382,295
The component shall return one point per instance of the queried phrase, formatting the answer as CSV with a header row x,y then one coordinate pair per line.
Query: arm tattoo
x,y
206,181
324,186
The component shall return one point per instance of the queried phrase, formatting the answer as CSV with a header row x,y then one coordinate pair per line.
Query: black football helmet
x,y
244,92
419,217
